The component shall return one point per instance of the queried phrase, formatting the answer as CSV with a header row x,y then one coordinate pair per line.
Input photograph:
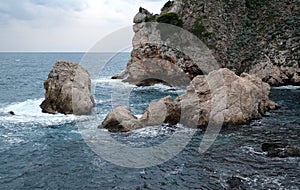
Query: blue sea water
x,y
42,151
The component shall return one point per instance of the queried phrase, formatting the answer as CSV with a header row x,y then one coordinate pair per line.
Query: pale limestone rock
x,y
68,90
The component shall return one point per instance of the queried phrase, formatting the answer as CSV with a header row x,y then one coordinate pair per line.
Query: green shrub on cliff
x,y
200,31
167,6
170,18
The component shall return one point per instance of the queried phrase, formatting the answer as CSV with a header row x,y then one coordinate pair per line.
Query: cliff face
x,y
260,37
257,36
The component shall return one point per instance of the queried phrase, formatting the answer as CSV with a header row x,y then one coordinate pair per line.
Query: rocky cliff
x,y
260,37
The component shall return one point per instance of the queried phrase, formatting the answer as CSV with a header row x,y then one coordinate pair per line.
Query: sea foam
x,y
29,111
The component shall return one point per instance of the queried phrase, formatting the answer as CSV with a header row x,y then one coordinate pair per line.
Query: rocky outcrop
x,y
156,58
68,90
276,75
238,99
142,15
257,37
120,120
163,111
280,149
221,97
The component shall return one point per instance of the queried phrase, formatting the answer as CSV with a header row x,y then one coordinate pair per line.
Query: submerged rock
x,y
68,90
12,113
280,149
120,120
235,183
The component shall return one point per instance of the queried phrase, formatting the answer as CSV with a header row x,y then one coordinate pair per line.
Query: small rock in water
x,y
120,120
12,113
235,183
280,149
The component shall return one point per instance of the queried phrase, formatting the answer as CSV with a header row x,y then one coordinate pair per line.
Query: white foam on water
x,y
100,101
289,87
106,81
112,81
163,87
29,111
138,116
251,150
154,131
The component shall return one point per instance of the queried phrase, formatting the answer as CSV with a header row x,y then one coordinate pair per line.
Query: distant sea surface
x,y
42,151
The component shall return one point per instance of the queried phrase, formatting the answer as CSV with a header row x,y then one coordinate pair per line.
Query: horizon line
x,y
60,52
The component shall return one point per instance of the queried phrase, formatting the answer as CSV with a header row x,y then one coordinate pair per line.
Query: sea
x,y
43,151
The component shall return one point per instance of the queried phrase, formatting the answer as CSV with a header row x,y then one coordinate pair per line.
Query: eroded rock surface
x,y
163,111
120,119
237,99
68,90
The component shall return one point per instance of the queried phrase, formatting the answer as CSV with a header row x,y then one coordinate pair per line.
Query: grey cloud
x,y
18,10
27,9
73,5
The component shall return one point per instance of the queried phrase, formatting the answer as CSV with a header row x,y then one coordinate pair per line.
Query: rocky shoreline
x,y
214,95
241,97
221,97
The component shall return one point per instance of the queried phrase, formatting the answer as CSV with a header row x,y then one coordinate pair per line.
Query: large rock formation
x,y
68,90
158,57
238,99
257,37
221,97
246,34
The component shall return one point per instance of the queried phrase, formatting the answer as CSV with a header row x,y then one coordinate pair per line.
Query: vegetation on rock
x,y
170,18
167,6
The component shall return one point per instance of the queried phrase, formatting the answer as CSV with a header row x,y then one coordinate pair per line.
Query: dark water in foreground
x,y
40,151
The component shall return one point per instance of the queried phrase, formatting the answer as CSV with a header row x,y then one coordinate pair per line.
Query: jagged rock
x,y
238,99
235,183
163,111
154,57
68,90
120,119
141,16
221,97
296,78
276,75
280,149
154,68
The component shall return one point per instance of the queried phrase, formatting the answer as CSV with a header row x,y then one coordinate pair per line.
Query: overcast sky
x,y
64,25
